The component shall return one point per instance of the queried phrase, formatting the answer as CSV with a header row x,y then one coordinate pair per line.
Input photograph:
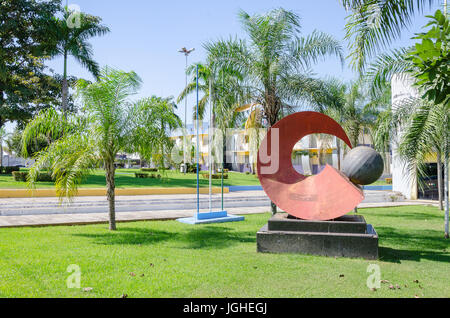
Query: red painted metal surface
x,y
325,196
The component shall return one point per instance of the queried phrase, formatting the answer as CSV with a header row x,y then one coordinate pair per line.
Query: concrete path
x,y
89,210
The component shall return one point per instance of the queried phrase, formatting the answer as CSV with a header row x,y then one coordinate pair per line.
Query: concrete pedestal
x,y
347,236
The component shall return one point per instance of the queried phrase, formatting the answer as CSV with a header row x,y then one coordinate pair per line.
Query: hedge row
x,y
8,170
23,176
144,175
215,176
149,169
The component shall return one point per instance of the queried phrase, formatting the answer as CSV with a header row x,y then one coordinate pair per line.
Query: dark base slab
x,y
348,236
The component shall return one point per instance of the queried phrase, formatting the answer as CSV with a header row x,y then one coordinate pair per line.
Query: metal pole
x,y
222,183
185,116
186,53
198,145
209,145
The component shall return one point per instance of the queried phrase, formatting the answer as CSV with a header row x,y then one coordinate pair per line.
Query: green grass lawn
x,y
170,259
125,179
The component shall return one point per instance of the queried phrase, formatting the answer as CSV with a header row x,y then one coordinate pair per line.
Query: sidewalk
x,y
154,215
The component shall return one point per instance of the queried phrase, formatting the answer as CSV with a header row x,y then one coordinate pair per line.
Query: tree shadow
x,y
413,245
397,255
130,236
410,215
206,237
198,237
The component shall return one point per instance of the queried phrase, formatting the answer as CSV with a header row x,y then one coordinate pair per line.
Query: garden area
x,y
126,178
155,259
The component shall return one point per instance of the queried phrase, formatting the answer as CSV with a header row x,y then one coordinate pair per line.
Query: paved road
x,y
89,210
242,199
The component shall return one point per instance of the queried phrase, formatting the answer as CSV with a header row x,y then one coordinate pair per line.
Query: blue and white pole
x,y
197,153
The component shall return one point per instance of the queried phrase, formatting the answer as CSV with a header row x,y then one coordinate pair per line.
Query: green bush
x,y
215,176
149,169
23,175
141,175
9,170
20,176
44,177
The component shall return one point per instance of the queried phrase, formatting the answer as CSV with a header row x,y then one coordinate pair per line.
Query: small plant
x,y
388,180
9,170
149,169
23,176
141,175
215,176
20,176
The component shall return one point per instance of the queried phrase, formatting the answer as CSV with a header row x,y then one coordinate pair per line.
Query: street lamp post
x,y
186,53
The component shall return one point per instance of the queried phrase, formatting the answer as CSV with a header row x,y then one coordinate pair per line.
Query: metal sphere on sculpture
x,y
363,165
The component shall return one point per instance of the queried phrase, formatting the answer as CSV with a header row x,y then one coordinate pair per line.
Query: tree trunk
x,y
1,152
338,151
439,179
446,159
110,193
65,86
273,206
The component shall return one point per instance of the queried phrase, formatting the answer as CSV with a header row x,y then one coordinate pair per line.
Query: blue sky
x,y
146,35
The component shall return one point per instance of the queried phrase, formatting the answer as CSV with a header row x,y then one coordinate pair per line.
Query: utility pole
x,y
186,53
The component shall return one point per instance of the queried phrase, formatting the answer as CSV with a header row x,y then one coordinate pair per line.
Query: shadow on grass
x,y
215,237
410,215
414,245
129,181
130,236
198,237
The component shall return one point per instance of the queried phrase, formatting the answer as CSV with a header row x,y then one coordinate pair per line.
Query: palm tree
x,y
106,126
425,132
67,39
220,87
375,24
274,62
157,118
354,109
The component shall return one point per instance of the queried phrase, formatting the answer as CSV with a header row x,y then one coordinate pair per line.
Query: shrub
x,y
20,176
23,175
215,176
141,175
149,169
247,172
44,177
9,170
388,180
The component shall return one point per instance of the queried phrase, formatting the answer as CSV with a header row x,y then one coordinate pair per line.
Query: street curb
x,y
92,192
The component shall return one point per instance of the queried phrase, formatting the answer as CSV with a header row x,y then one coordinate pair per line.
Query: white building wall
x,y
402,180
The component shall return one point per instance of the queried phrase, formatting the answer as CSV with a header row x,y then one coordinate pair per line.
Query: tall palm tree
x,y
275,61
426,132
68,38
220,88
157,118
375,24
107,125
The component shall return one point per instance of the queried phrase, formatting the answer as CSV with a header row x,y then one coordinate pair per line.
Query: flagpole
x,y
197,146
209,145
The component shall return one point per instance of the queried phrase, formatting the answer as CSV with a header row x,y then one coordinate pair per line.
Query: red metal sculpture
x,y
325,196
